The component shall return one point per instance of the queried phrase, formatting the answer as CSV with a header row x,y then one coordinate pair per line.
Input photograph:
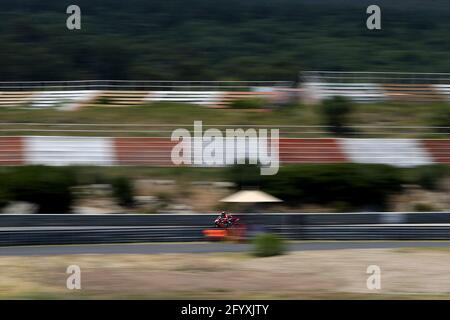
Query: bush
x,y
428,177
267,244
441,118
3,197
103,100
357,186
335,113
48,187
123,191
423,207
244,175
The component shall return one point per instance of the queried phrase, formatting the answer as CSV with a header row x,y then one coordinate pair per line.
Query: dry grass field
x,y
338,274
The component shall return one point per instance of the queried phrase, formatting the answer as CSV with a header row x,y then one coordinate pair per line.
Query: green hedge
x,y
244,175
428,177
343,186
48,187
51,187
346,186
267,244
441,117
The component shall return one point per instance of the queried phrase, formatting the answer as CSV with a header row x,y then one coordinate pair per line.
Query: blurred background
x,y
227,40
144,68
86,118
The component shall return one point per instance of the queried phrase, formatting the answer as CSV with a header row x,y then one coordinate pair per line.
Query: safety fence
x,y
121,228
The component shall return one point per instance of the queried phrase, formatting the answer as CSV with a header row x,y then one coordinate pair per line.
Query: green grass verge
x,y
380,114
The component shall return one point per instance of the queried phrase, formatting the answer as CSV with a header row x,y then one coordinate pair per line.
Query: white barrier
x,y
103,151
395,152
60,151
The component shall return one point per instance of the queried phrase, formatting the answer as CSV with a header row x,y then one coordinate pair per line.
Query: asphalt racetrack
x,y
208,247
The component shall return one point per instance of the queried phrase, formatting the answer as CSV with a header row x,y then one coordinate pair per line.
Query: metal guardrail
x,y
129,85
121,228
205,219
190,234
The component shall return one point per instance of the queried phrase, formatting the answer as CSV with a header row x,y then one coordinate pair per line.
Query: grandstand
x,y
358,92
366,87
315,86
55,144
70,95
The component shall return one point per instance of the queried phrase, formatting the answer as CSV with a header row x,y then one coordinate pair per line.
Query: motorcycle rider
x,y
225,217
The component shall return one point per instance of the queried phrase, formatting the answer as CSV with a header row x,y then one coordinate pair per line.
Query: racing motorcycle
x,y
226,222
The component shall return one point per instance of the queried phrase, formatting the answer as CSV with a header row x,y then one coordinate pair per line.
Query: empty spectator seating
x,y
67,100
444,90
120,98
14,98
206,98
358,92
412,92
229,97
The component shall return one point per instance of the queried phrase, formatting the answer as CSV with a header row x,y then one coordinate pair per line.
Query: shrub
x,y
244,175
335,113
423,207
164,200
48,187
123,191
3,197
267,244
428,177
349,185
103,100
441,118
